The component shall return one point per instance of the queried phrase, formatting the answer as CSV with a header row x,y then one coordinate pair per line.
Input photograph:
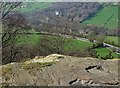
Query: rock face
x,y
61,71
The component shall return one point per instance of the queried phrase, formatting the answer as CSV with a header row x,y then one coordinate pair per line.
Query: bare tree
x,y
51,44
7,7
13,26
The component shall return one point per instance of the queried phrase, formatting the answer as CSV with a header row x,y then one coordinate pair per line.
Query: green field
x,y
30,6
34,39
113,39
102,52
75,44
72,45
109,13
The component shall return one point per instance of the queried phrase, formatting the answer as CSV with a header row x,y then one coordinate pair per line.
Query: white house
x,y
57,13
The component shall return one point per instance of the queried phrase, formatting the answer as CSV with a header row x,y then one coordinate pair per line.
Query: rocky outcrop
x,y
59,70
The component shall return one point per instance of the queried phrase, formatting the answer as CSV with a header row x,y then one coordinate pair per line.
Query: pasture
x,y
31,39
34,39
113,39
75,44
30,6
103,52
107,17
70,44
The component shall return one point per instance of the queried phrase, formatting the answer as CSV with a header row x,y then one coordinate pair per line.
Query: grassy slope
x,y
33,6
102,52
75,44
103,15
33,39
113,39
99,19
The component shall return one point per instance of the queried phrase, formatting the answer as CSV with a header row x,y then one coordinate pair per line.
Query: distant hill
x,y
107,14
49,12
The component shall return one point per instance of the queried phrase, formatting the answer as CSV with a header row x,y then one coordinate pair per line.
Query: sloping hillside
x,y
31,6
59,70
108,17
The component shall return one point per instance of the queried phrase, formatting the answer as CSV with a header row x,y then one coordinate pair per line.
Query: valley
x,y
47,21
59,44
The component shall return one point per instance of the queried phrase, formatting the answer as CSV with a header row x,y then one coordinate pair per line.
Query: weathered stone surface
x,y
65,71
